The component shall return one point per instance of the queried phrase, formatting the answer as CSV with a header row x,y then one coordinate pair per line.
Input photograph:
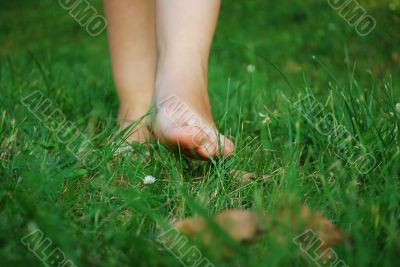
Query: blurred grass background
x,y
105,218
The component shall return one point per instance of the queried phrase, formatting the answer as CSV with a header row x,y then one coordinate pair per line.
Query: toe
x,y
227,146
213,148
207,150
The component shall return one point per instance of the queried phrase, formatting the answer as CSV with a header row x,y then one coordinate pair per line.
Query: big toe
x,y
213,148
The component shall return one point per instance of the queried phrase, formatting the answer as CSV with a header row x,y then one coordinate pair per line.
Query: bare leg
x,y
131,32
185,30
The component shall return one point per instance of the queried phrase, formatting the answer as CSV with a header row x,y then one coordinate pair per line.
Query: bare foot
x,y
133,125
183,117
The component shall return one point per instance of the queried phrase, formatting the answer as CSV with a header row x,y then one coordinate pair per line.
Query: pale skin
x,y
160,49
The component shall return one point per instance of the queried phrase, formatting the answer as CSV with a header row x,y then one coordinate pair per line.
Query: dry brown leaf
x,y
324,228
191,226
293,217
247,177
244,226
242,176
241,225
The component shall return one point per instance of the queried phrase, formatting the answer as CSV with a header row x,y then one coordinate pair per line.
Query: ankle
x,y
184,83
183,67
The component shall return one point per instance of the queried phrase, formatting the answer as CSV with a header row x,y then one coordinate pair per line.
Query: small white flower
x,y
149,179
398,107
250,68
267,119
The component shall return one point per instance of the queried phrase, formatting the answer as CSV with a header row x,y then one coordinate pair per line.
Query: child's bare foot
x,y
183,118
133,126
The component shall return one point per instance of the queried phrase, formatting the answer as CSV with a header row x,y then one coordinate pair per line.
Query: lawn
x,y
268,60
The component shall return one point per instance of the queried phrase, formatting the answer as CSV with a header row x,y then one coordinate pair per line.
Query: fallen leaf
x,y
324,228
242,176
246,226
241,225
247,177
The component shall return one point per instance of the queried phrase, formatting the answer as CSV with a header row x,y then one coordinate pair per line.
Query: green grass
x,y
106,217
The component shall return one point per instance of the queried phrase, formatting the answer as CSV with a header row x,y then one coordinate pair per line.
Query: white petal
x,y
149,179
251,68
